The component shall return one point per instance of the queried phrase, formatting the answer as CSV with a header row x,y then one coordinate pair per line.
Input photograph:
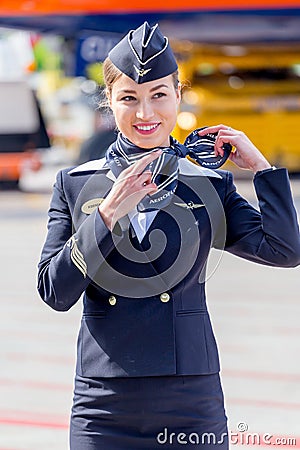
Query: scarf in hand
x,y
122,153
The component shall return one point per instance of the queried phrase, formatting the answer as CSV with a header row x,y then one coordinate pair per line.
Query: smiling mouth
x,y
146,129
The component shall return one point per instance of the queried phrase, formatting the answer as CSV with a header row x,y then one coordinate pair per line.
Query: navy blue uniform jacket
x,y
144,306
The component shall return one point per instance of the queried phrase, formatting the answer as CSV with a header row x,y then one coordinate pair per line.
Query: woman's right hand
x,y
131,186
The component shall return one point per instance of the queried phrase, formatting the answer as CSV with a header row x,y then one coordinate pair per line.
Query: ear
x,y
178,93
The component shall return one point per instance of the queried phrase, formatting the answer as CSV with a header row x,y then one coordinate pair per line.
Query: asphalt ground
x,y
255,312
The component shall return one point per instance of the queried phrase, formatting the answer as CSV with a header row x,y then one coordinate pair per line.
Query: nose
x,y
144,110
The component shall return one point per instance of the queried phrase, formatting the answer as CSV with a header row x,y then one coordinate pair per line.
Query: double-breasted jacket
x,y
144,304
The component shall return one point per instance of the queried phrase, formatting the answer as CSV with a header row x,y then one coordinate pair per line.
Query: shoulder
x,y
225,175
86,169
71,180
188,168
89,167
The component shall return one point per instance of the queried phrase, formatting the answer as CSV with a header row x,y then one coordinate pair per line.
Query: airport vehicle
x,y
22,130
242,59
255,88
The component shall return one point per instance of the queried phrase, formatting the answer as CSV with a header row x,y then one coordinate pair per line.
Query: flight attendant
x,y
132,232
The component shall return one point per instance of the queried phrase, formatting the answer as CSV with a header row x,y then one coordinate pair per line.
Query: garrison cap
x,y
144,54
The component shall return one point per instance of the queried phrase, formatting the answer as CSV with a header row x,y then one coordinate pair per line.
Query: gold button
x,y
112,300
164,297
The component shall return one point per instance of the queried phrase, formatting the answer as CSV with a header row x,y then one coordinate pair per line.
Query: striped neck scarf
x,y
122,153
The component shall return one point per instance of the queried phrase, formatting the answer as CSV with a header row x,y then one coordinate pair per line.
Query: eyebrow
x,y
155,88
159,87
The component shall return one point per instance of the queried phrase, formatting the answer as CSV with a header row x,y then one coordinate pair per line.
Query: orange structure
x,y
21,7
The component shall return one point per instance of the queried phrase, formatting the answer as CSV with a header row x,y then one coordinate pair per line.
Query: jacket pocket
x,y
191,312
96,315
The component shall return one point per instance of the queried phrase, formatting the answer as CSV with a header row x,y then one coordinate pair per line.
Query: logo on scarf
x,y
116,158
163,197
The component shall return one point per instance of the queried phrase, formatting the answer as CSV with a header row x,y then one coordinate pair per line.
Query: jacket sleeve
x,y
270,236
70,259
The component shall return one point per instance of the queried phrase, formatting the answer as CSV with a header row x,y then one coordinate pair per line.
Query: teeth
x,y
146,127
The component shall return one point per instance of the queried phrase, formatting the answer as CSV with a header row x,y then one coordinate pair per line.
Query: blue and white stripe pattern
x,y
122,153
201,148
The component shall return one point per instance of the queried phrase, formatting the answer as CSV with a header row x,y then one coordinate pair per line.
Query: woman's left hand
x,y
245,155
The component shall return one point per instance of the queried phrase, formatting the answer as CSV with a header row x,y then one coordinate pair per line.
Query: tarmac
x,y
255,312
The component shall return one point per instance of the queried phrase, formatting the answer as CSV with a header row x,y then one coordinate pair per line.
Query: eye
x,y
159,95
128,98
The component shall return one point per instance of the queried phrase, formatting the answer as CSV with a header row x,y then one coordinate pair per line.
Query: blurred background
x,y
240,65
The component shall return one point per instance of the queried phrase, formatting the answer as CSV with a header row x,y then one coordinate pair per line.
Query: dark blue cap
x,y
144,54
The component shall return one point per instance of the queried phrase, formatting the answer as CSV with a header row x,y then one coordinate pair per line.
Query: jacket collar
x,y
185,167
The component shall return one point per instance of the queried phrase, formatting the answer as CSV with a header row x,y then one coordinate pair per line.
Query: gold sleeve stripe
x,y
78,260
76,256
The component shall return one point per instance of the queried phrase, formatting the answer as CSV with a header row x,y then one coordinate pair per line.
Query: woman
x,y
133,232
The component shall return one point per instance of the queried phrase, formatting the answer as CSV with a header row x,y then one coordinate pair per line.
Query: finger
x,y
150,188
130,178
145,189
144,178
213,129
220,141
233,156
219,151
140,165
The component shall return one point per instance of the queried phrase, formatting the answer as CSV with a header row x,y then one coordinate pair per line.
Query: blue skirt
x,y
169,412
